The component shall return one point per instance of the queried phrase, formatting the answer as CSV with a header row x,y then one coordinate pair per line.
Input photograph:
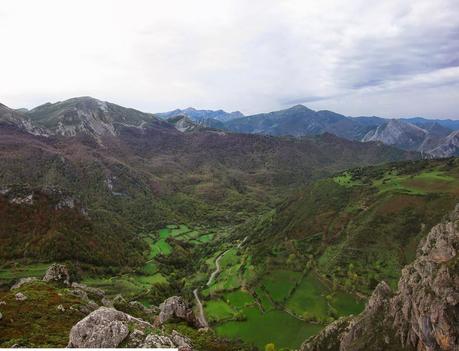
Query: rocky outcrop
x,y
329,338
176,308
22,282
425,309
104,327
87,289
20,297
110,328
422,315
57,273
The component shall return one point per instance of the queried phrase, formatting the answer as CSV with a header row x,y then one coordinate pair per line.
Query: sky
x,y
357,57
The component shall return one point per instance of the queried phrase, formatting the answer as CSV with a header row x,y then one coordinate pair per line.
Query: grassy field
x,y
22,271
271,327
309,297
345,179
217,310
279,283
238,298
136,283
128,285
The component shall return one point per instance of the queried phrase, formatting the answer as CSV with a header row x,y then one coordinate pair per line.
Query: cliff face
x,y
422,315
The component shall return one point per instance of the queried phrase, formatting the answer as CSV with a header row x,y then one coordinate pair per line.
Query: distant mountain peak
x,y
81,115
299,107
201,115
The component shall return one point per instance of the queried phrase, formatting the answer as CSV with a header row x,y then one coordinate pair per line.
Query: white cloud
x,y
352,56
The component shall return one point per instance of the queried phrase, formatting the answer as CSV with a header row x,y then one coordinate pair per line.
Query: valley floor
x,y
239,300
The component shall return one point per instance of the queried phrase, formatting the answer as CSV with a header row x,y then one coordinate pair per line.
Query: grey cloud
x,y
356,56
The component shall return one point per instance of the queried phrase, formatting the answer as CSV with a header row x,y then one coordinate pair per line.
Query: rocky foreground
x,y
55,312
422,315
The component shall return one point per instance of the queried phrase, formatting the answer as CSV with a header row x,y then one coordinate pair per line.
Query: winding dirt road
x,y
217,269
201,317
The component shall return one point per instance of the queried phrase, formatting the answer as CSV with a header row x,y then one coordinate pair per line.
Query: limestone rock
x,y
422,315
103,328
329,338
61,308
57,273
161,341
20,297
89,290
136,339
80,294
175,308
88,307
22,282
425,310
108,328
2,303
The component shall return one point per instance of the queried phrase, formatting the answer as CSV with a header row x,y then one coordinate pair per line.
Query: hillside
x,y
139,173
44,225
361,226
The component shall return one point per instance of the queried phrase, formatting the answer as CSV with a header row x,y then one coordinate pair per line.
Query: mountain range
x,y
434,138
129,168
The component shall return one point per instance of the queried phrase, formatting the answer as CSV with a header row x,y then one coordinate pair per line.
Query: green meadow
x,y
274,326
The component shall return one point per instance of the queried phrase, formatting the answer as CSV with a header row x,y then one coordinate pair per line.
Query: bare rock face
x,y
109,328
425,309
57,273
174,340
104,327
329,338
359,337
422,315
22,282
176,308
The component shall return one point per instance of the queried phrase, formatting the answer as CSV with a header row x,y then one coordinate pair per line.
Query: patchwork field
x,y
283,308
271,327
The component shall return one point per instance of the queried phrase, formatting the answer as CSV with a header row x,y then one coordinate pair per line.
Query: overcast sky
x,y
357,57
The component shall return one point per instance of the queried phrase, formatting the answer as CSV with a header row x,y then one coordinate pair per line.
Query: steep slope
x,y
201,115
18,119
184,124
359,227
448,146
432,139
298,121
398,133
422,314
46,225
86,115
